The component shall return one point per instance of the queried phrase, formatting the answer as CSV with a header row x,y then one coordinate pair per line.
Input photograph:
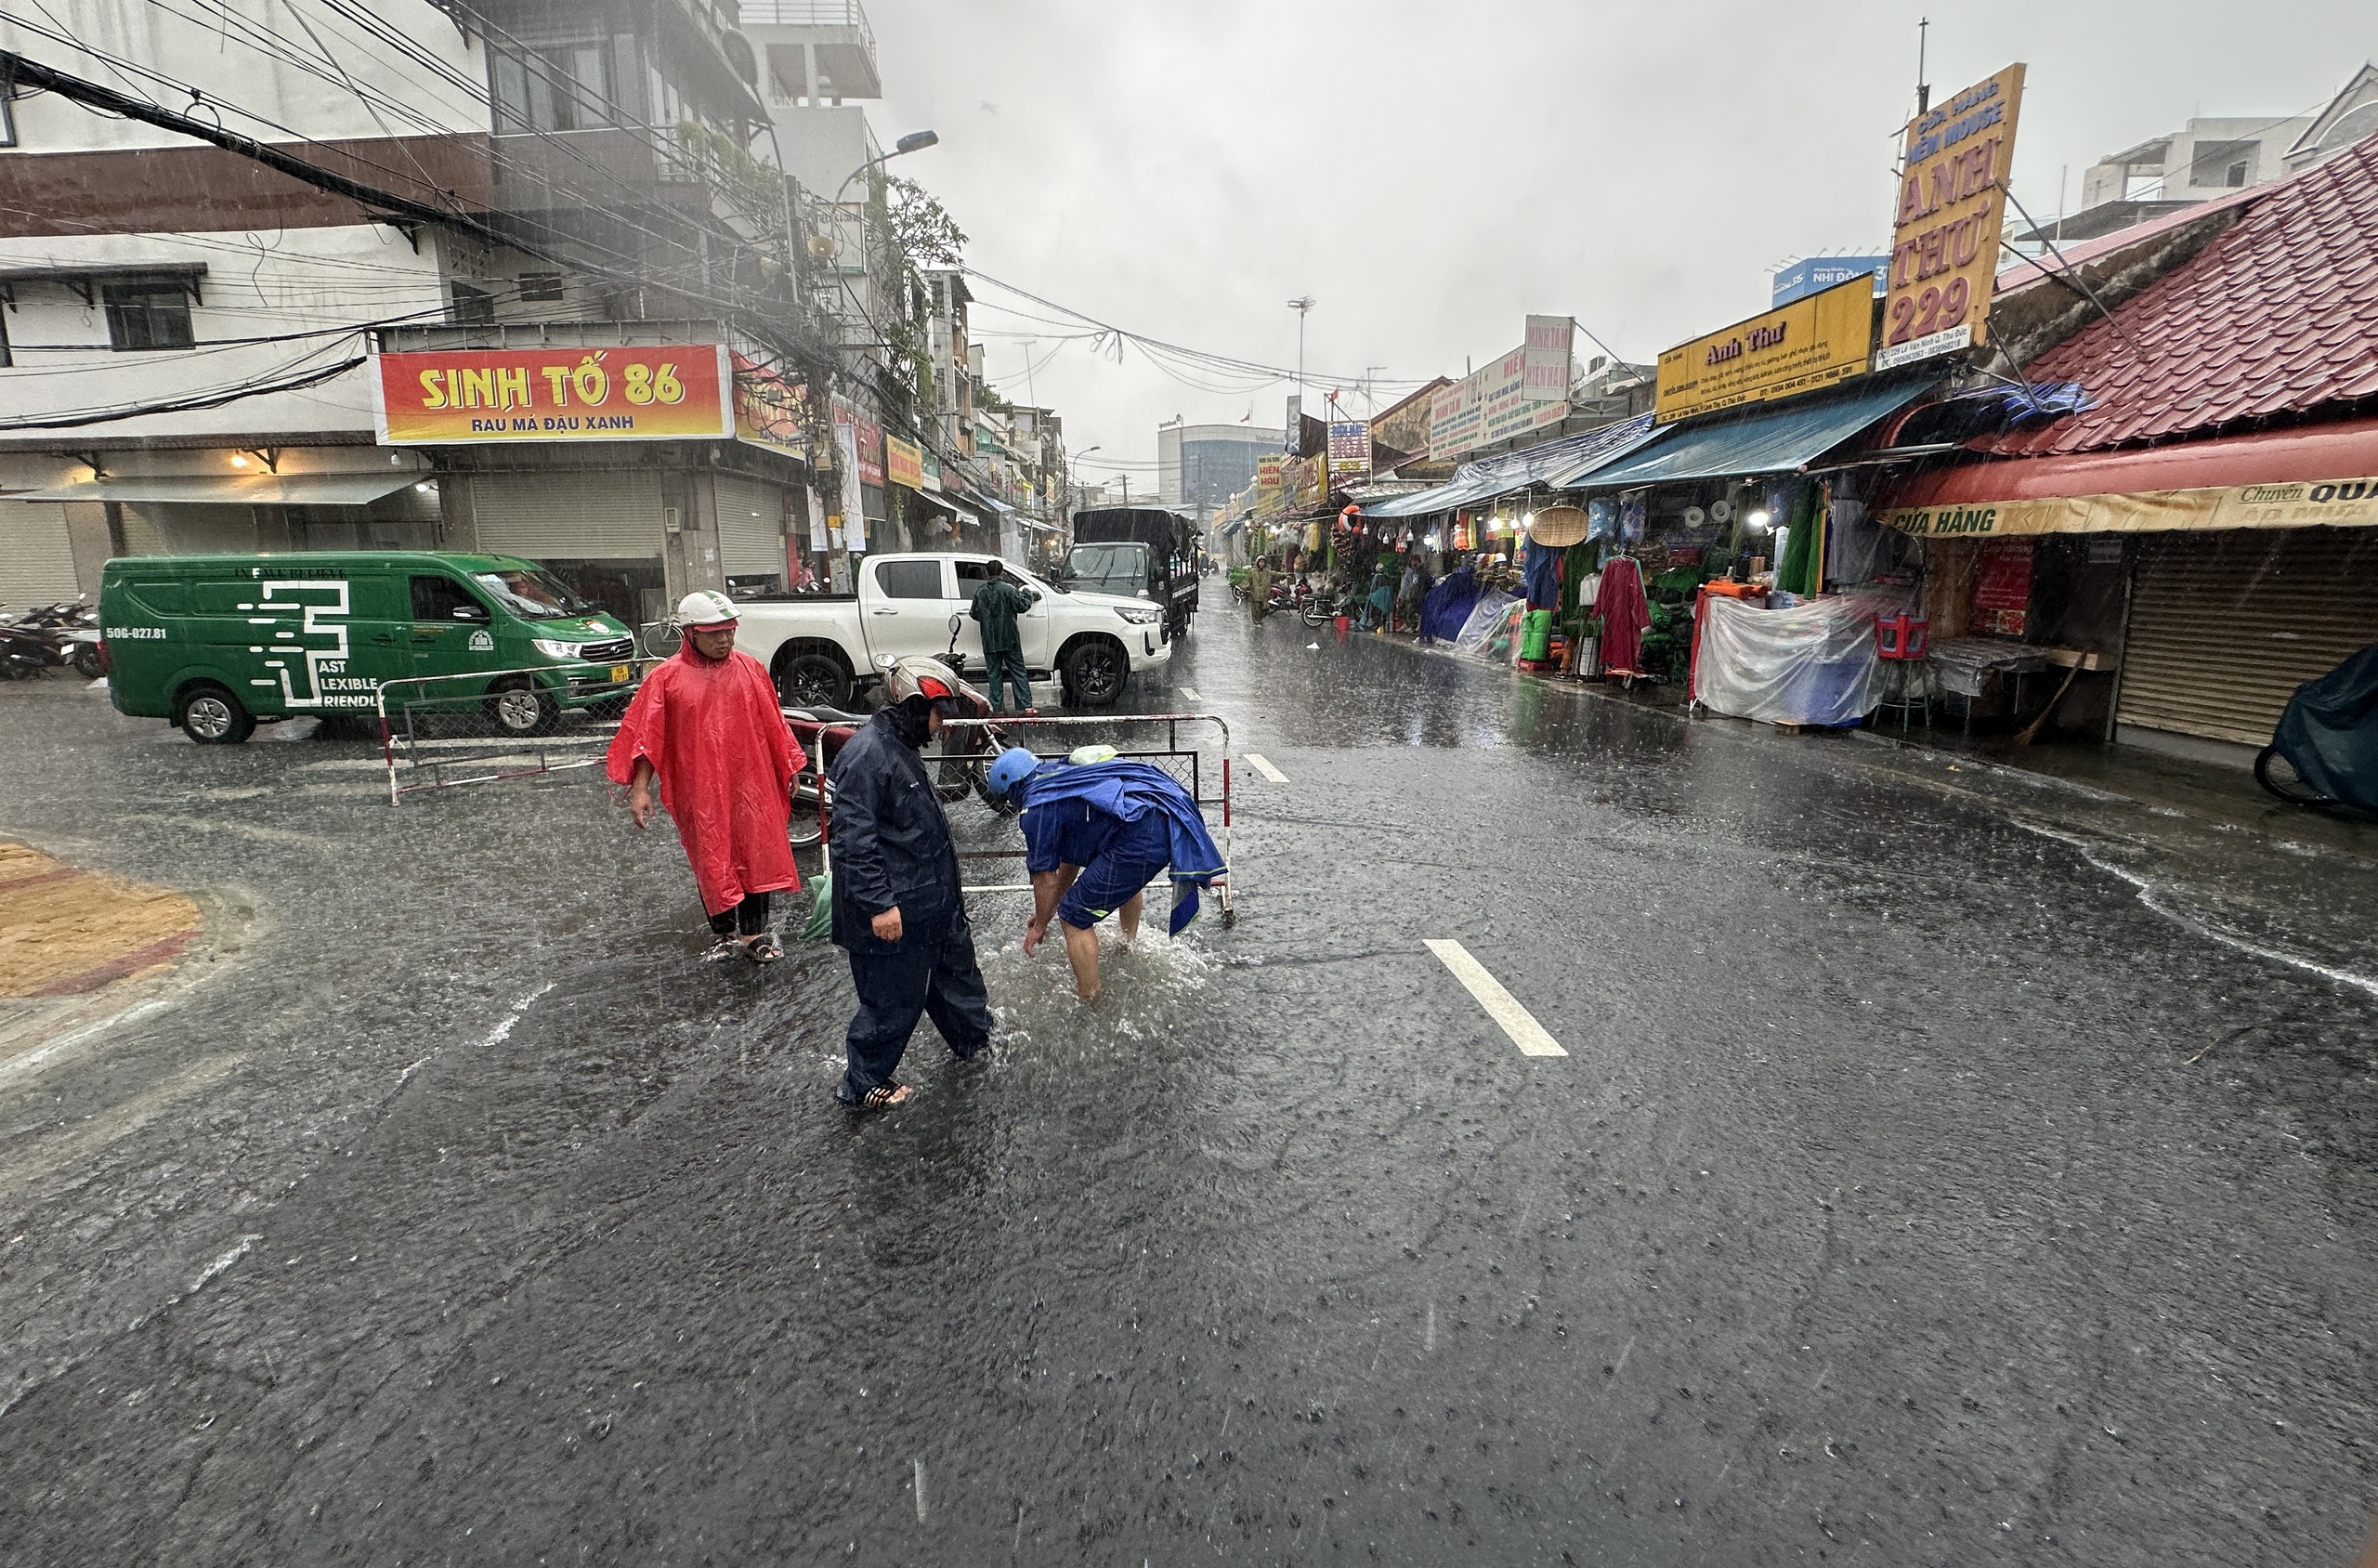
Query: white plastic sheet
x,y
1486,624
1814,663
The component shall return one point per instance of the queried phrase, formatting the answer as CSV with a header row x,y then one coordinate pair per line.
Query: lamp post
x,y
1078,457
915,141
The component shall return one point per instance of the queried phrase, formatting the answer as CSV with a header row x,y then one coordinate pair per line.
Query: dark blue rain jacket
x,y
1128,792
891,842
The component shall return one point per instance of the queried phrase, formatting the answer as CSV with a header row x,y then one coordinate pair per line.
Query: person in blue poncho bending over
x,y
1095,834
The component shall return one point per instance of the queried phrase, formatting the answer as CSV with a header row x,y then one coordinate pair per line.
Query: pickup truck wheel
x,y
212,716
813,680
518,707
1094,674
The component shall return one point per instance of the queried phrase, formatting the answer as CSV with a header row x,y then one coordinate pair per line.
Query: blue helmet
x,y
1013,767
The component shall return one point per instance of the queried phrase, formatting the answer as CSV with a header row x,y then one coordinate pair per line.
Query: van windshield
x,y
532,595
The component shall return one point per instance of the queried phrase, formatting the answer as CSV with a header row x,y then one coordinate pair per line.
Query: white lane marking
x,y
1500,1005
1192,694
1255,760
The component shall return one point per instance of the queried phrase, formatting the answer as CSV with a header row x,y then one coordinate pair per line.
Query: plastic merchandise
x,y
1536,635
1903,635
1488,621
1814,663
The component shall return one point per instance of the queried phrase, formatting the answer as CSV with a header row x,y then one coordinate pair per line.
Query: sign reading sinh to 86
x,y
1944,232
643,392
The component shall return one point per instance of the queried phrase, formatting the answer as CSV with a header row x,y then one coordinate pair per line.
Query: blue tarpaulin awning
x,y
1768,443
1542,465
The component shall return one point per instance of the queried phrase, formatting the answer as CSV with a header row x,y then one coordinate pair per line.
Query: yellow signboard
x,y
1814,341
2337,503
1944,234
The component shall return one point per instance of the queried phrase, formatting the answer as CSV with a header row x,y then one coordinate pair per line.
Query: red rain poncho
x,y
1624,615
726,761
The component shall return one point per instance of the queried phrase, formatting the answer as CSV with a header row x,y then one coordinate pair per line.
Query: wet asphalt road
x,y
1947,1167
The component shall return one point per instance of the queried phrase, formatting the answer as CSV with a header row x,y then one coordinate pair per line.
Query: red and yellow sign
x,y
904,463
771,408
669,392
1944,234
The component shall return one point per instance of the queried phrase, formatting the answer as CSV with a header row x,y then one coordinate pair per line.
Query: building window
x,y
7,358
473,307
551,86
2237,173
542,287
148,314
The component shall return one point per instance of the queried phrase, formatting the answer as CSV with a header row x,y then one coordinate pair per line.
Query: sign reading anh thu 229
x,y
645,392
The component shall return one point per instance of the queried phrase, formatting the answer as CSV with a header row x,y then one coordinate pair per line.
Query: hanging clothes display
x,y
1543,575
1625,614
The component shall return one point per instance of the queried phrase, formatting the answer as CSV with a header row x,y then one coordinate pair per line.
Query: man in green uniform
x,y
997,604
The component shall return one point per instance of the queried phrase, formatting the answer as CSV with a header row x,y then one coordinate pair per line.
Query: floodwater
x,y
1947,1166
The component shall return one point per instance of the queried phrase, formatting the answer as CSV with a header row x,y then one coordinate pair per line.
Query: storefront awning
x,y
1771,443
1549,463
234,490
2323,476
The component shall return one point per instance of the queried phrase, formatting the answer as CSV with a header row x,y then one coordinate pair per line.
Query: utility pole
x,y
1301,305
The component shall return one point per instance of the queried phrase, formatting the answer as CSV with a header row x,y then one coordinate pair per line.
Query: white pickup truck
x,y
823,647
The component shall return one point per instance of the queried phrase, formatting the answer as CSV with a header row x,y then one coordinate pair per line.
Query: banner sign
x,y
670,392
2331,503
1810,343
904,463
853,504
1350,449
1810,274
932,466
771,408
1944,235
870,451
1498,403
1268,466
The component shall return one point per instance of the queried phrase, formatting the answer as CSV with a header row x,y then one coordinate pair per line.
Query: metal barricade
x,y
438,732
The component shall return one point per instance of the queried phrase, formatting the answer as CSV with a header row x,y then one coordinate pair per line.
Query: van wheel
x,y
519,707
813,680
1094,674
212,716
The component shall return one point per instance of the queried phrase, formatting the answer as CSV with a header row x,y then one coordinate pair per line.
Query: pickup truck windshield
x,y
532,595
1109,568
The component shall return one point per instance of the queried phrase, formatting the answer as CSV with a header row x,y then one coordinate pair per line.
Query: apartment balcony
x,y
821,50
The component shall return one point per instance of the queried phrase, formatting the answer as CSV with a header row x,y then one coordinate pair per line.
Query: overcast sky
x,y
1432,173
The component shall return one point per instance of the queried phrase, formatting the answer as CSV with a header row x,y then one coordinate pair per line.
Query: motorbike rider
x,y
896,907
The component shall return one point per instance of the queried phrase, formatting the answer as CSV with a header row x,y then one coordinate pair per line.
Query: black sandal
x,y
720,950
883,1096
765,947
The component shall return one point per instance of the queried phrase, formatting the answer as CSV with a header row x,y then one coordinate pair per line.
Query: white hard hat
x,y
705,608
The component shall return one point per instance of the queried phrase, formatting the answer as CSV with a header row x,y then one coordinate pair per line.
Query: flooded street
x,y
1947,1164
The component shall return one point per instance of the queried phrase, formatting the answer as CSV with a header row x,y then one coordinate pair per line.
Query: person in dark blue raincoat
x,y
896,907
1095,834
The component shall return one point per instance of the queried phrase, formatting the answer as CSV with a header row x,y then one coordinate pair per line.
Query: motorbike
x,y
47,636
1320,608
964,758
2324,752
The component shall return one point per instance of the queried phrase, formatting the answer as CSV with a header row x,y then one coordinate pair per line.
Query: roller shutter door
x,y
750,527
2225,626
600,515
37,562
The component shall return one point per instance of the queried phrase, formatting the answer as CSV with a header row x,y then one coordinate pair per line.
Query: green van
x,y
216,642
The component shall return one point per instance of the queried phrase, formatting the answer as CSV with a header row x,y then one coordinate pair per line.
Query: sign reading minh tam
x,y
668,392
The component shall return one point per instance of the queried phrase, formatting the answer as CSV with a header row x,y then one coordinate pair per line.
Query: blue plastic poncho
x,y
1128,792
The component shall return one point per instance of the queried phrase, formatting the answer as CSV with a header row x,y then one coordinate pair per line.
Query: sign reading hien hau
x,y
1946,228
668,392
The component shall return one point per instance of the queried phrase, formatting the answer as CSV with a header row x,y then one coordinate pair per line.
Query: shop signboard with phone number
x,y
643,392
1945,231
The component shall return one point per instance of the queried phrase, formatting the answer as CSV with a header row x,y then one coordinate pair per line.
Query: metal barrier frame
x,y
538,745
1225,895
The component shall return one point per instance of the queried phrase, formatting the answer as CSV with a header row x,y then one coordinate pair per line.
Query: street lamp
x,y
1078,457
915,141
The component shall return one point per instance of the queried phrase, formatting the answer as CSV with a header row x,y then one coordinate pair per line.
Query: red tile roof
x,y
2278,315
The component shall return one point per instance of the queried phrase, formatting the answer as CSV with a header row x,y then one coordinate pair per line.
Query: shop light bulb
x,y
239,462
1759,520
423,487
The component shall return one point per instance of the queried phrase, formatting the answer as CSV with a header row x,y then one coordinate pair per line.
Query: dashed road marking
x,y
1500,1005
1192,694
1255,760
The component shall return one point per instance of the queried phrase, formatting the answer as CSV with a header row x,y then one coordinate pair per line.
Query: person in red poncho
x,y
707,724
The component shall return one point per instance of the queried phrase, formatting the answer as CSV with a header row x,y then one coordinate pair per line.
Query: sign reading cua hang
x,y
2331,502
666,392
1814,341
1945,231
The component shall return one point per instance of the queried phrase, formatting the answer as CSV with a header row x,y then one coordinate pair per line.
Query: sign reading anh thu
x,y
1944,234
670,392
1812,342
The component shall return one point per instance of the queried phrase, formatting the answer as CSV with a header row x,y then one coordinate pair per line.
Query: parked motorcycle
x,y
2324,752
45,637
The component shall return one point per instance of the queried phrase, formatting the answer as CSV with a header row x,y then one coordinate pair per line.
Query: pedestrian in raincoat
x,y
1380,603
896,907
1259,587
997,604
1095,834
706,725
